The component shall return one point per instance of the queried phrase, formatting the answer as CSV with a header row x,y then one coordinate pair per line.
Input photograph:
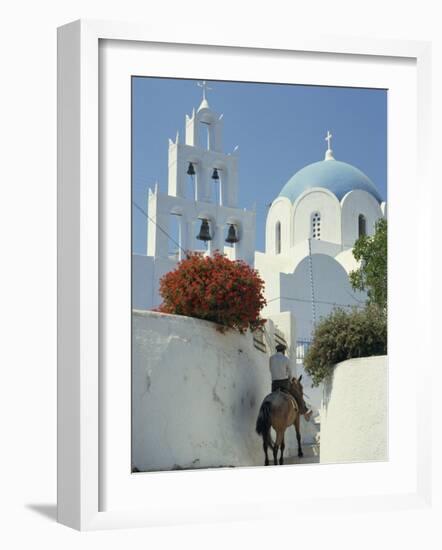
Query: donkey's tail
x,y
263,422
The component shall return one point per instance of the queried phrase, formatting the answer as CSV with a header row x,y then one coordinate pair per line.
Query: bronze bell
x,y
191,169
215,175
204,234
231,235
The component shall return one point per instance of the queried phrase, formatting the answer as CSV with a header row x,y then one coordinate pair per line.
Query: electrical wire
x,y
306,301
159,227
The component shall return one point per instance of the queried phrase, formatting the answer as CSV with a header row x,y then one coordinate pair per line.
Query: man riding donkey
x,y
281,374
282,408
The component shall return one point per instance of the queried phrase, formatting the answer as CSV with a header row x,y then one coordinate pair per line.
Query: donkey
x,y
279,410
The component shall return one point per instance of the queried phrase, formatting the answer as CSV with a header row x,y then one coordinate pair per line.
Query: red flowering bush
x,y
214,288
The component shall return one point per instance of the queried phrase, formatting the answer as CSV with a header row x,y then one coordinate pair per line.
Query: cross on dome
x,y
328,138
329,152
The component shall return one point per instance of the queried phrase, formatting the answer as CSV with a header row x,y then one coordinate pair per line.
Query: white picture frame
x,y
80,394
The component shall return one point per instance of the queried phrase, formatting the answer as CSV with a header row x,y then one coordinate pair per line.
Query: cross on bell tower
x,y
205,87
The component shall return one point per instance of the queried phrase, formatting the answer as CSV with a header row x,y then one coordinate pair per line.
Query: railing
x,y
259,339
279,337
263,341
301,349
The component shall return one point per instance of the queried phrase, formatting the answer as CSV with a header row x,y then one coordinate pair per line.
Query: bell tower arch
x,y
199,168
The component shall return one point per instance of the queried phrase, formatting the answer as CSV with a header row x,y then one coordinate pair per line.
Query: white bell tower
x,y
203,148
202,187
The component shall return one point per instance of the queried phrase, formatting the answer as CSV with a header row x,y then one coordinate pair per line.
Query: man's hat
x,y
280,347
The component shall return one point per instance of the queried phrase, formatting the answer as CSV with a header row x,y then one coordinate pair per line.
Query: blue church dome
x,y
334,175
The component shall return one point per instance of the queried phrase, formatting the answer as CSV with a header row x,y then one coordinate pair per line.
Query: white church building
x,y
310,231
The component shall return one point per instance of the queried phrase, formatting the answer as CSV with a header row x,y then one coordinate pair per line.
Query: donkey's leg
x,y
278,444
265,443
298,435
275,449
281,459
275,454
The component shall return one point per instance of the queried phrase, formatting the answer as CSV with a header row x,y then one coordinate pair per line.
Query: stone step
x,y
311,455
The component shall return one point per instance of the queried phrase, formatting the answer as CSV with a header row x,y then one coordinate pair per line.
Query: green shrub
x,y
371,253
345,335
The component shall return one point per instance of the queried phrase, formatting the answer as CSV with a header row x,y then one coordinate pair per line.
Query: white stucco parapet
x,y
196,394
354,415
288,263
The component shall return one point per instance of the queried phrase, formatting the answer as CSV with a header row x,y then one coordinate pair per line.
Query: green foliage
x,y
372,274
345,335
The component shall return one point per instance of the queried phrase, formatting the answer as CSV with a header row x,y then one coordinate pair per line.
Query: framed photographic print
x,y
226,292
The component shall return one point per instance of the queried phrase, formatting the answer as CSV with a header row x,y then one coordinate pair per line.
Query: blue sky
x,y
279,128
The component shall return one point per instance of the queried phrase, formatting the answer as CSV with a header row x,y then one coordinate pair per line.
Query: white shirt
x,y
280,366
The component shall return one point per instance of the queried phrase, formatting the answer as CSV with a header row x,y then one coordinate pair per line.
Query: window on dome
x,y
278,238
316,226
362,223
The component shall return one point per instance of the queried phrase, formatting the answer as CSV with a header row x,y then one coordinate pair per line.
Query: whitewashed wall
x,y
196,394
354,418
146,274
